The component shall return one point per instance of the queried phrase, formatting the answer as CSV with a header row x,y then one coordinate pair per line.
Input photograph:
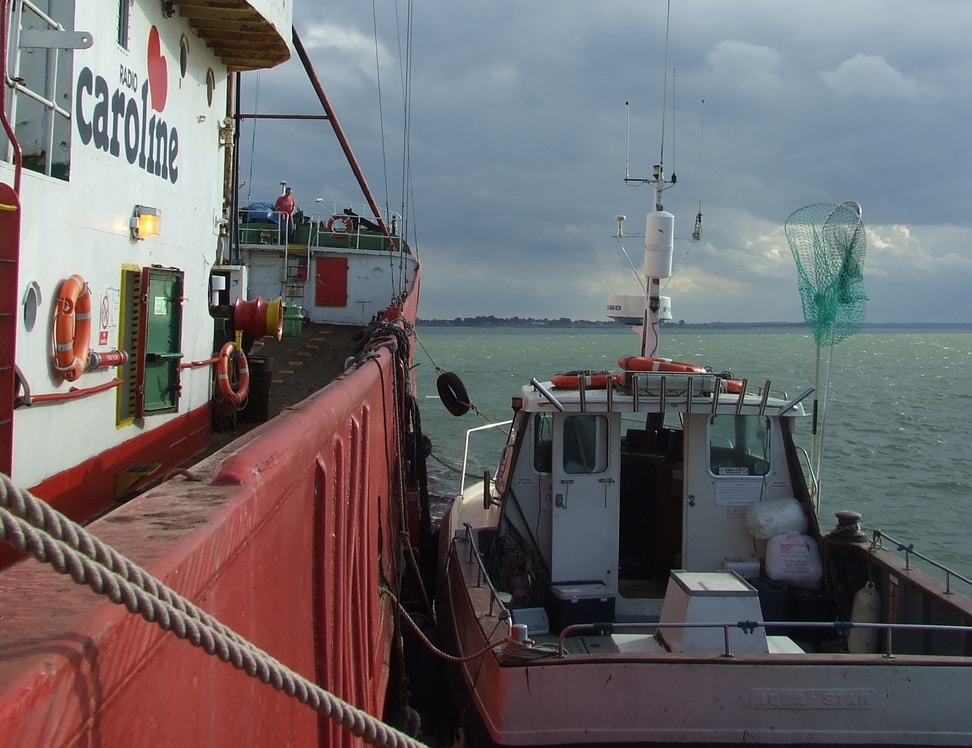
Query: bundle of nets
x,y
827,241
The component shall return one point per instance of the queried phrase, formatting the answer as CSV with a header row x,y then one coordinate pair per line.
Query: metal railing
x,y
328,226
32,30
909,550
465,451
749,627
482,577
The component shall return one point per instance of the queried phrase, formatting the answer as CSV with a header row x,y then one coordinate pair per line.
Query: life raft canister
x,y
594,380
653,363
340,224
72,327
223,382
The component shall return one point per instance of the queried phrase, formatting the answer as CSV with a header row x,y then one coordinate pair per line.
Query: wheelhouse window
x,y
739,445
585,444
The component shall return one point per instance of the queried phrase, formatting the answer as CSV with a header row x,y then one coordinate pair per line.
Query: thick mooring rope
x,y
33,527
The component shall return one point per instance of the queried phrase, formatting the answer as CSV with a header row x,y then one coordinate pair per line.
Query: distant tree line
x,y
493,321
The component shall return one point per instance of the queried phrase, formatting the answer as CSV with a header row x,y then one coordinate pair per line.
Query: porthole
x,y
31,303
183,55
210,86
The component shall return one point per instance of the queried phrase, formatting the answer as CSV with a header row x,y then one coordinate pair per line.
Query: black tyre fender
x,y
452,393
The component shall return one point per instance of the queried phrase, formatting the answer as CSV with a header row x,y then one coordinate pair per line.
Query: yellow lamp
x,y
147,222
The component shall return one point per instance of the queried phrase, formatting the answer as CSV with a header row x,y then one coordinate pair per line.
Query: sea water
x,y
896,437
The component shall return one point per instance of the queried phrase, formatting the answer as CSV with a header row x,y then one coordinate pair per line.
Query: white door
x,y
585,484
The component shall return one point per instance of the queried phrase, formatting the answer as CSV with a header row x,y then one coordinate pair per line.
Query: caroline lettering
x,y
110,119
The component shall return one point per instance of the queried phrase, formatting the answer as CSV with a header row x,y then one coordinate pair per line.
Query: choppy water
x,y
898,432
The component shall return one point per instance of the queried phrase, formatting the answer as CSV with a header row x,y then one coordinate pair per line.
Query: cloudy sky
x,y
516,126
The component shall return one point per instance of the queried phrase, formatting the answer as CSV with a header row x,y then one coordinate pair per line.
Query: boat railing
x,y
698,392
475,557
330,225
808,467
750,627
908,550
465,452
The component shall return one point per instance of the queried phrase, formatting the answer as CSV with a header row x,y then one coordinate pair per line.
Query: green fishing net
x,y
827,240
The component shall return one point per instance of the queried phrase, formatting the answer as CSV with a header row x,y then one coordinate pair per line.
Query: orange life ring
x,y
341,224
223,382
593,380
652,363
72,327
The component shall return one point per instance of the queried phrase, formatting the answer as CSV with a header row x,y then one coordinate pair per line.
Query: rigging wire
x,y
256,108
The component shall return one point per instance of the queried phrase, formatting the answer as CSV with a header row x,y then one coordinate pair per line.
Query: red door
x,y
331,281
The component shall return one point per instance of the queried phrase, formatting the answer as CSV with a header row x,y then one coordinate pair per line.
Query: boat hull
x,y
288,536
626,688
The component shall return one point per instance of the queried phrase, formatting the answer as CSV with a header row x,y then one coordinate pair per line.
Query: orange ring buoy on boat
x,y
652,363
339,224
72,327
734,386
223,382
594,380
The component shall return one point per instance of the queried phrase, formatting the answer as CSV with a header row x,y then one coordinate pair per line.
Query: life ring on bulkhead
x,y
340,224
223,382
72,327
452,393
653,363
593,380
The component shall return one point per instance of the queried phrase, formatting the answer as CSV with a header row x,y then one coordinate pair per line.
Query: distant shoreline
x,y
517,322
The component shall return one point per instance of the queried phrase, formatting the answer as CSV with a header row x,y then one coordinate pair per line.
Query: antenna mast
x,y
659,226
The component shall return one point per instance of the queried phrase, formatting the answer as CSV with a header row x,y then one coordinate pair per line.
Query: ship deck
x,y
291,369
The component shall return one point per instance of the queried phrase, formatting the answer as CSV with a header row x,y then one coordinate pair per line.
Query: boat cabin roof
x,y
649,392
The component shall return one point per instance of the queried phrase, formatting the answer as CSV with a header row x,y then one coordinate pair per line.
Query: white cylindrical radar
x,y
659,244
665,308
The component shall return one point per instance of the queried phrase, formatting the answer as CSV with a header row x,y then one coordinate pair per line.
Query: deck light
x,y
147,222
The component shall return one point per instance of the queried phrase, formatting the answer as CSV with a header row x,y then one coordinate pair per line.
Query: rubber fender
x,y
452,393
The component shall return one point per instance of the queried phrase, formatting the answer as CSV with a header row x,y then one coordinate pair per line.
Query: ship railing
x,y
749,627
36,41
908,550
329,226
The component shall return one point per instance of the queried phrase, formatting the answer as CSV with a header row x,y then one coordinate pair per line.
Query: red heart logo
x,y
157,71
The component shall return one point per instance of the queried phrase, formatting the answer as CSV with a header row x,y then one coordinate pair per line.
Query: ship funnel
x,y
259,317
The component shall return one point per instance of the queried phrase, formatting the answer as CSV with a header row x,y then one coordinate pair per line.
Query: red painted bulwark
x,y
287,540
88,489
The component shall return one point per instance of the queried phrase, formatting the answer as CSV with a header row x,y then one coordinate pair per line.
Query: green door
x,y
162,316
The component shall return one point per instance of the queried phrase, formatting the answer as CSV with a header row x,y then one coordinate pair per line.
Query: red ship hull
x,y
288,537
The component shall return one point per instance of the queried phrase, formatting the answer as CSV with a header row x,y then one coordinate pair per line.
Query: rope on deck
x,y
33,527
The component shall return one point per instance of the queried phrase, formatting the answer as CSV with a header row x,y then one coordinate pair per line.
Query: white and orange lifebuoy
x,y
653,363
72,327
593,380
223,382
341,224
